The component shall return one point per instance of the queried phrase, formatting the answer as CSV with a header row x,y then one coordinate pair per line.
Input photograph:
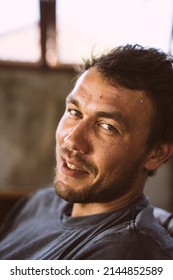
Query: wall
x,y
160,187
31,103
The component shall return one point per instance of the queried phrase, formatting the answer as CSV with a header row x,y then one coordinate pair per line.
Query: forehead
x,y
92,87
94,92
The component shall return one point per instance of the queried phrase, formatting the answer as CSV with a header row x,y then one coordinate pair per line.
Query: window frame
x,y
48,39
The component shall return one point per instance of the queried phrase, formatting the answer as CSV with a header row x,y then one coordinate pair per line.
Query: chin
x,y
84,195
69,194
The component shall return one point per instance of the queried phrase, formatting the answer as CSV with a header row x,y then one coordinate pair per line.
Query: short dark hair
x,y
146,69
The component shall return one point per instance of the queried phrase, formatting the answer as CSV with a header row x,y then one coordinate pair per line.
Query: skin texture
x,y
101,153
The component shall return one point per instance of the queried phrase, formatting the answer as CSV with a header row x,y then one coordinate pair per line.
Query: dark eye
x,y
74,112
109,127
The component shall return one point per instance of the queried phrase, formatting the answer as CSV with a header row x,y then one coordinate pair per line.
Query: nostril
x,y
71,142
77,140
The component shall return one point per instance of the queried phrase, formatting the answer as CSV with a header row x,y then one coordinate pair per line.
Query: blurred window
x,y
19,30
97,25
63,32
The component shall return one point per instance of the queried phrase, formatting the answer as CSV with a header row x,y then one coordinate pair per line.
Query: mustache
x,y
85,164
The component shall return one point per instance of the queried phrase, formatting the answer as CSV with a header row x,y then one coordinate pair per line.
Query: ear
x,y
158,155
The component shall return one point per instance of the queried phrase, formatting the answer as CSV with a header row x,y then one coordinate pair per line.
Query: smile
x,y
71,166
72,170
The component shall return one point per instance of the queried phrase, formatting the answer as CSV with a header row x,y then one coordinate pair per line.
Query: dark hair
x,y
147,69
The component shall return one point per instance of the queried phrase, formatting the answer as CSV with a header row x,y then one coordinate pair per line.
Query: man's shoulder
x,y
139,237
43,192
42,199
40,203
46,194
129,246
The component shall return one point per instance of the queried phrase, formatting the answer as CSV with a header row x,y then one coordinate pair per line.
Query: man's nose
x,y
78,138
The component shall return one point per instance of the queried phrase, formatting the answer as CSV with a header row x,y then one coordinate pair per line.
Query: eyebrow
x,y
117,116
72,100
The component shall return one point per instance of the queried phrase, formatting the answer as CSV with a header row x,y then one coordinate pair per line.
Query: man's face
x,y
101,139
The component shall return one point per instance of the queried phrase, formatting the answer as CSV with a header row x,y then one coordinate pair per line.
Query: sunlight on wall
x,y
99,25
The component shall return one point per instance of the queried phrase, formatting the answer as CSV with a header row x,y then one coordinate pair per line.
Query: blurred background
x,y
41,42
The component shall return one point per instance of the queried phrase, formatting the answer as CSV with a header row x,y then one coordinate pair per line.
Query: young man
x,y
116,131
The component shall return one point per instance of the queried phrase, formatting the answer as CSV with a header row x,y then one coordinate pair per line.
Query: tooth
x,y
71,166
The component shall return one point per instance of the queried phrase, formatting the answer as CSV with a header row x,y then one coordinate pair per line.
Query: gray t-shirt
x,y
40,227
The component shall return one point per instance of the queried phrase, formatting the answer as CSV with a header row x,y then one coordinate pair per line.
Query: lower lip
x,y
73,173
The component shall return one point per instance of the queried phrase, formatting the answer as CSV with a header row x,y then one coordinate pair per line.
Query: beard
x,y
98,193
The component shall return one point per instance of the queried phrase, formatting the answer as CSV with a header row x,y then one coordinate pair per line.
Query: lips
x,y
72,168
73,163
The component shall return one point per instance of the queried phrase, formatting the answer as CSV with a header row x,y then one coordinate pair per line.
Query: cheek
x,y
60,131
112,157
106,157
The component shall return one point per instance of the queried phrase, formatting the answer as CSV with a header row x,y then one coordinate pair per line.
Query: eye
x,y
109,127
74,112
